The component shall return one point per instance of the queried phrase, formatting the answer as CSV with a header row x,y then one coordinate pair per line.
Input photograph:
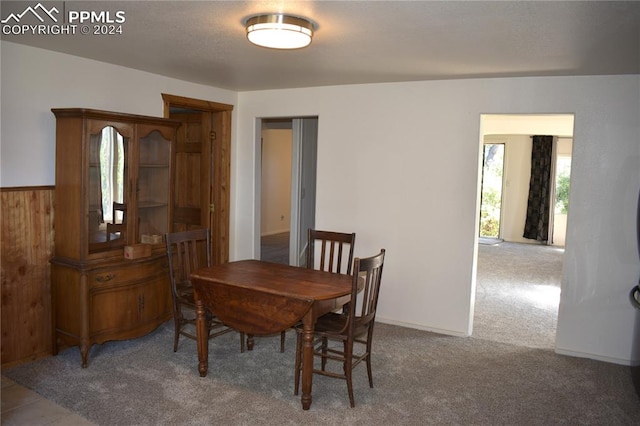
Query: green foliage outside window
x,y
491,190
562,192
490,213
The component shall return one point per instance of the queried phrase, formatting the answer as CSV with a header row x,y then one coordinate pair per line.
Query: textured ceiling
x,y
359,41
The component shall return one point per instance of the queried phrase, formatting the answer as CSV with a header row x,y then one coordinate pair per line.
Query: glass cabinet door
x,y
153,187
107,198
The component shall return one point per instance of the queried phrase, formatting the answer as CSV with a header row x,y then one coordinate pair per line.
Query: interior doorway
x,y
202,172
287,171
275,213
517,281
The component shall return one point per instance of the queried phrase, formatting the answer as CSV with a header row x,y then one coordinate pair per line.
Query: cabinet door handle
x,y
141,303
105,278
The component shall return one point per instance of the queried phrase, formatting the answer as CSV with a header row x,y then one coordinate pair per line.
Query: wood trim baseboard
x,y
27,188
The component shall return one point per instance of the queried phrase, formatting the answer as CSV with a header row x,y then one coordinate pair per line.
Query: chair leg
x,y
209,320
368,360
176,324
324,353
250,342
348,360
282,337
241,342
298,363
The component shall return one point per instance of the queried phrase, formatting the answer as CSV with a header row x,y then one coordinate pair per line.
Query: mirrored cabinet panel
x,y
113,197
107,198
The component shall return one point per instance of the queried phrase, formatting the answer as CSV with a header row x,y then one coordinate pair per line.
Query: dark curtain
x,y
536,226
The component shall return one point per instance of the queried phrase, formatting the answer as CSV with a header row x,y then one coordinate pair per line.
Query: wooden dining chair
x,y
187,251
116,227
334,254
353,327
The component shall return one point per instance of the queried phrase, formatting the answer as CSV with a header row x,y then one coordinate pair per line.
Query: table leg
x,y
202,338
307,358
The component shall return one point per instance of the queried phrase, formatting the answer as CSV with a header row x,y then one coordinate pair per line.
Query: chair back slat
x,y
187,251
364,297
333,251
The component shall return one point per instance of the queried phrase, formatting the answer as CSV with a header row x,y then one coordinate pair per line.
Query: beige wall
x,y
383,150
404,175
36,80
276,181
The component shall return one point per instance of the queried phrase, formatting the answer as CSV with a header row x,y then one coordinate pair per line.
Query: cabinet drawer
x,y
127,273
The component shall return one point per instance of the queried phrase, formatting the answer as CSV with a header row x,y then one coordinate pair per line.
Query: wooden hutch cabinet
x,y
114,174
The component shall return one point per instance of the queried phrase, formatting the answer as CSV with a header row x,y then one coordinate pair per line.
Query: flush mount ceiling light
x,y
279,31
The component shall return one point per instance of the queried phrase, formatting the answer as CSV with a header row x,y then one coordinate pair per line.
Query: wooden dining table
x,y
263,298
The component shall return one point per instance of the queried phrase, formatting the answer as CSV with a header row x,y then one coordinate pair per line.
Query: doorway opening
x,y
202,170
275,195
517,280
287,186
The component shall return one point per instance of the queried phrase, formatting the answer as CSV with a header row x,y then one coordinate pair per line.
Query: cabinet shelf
x,y
151,204
153,166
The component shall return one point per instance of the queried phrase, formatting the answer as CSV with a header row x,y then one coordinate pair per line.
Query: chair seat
x,y
331,323
184,292
334,324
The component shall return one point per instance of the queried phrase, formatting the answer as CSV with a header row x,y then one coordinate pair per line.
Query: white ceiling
x,y
360,41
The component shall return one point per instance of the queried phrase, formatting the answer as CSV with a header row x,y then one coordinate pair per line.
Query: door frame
x,y
303,186
558,124
220,187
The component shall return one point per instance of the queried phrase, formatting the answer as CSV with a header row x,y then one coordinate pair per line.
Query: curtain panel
x,y
536,225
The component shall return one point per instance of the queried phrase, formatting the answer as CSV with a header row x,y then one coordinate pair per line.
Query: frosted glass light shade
x,y
279,31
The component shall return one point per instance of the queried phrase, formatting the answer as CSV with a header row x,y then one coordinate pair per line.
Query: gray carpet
x,y
275,248
420,378
517,294
506,374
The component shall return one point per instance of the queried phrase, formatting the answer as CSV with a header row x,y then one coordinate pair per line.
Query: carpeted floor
x,y
420,378
518,293
506,374
275,248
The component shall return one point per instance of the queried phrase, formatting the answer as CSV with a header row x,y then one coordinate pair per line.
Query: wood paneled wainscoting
x,y
26,245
